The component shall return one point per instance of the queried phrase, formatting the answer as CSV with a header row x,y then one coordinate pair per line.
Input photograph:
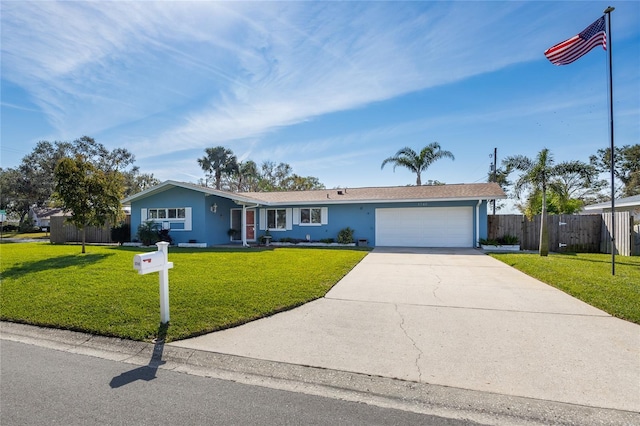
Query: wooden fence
x,y
569,233
62,232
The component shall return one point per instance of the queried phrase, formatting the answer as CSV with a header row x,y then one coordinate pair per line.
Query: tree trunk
x,y
418,180
83,238
544,232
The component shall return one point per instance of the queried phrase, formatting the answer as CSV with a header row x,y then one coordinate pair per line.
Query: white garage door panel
x,y
425,227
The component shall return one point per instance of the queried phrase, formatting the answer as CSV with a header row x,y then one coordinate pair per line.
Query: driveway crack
x,y
413,342
437,286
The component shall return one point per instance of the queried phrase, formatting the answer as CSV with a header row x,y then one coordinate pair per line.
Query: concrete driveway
x,y
452,317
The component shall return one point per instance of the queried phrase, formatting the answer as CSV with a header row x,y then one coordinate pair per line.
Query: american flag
x,y
577,46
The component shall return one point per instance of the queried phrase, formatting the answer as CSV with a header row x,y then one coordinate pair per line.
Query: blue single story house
x,y
410,216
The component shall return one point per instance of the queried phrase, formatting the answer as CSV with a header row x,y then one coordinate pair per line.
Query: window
x,y
178,219
310,216
276,218
175,213
166,214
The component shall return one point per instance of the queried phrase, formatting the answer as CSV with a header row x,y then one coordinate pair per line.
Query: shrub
x,y
121,233
148,233
488,242
28,225
327,240
163,235
508,240
345,236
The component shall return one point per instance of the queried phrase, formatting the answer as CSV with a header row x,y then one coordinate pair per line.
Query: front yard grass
x,y
209,289
587,276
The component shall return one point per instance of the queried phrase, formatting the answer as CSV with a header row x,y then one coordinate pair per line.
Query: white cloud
x,y
207,73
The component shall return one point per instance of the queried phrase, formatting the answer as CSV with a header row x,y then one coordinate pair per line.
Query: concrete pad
x,y
453,318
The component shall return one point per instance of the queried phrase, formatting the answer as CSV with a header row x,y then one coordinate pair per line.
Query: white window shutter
x,y
263,219
296,216
143,215
289,213
187,218
324,215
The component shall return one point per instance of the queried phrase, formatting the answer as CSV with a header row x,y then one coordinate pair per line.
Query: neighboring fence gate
x,y
570,233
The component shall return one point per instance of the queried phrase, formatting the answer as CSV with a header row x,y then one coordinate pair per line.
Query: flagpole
x,y
608,11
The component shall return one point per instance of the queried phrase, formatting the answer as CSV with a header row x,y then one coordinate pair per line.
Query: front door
x,y
250,224
250,221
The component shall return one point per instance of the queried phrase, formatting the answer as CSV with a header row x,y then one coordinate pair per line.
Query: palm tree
x,y
417,163
536,175
218,160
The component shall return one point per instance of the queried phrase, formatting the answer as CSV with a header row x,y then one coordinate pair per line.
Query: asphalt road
x,y
45,386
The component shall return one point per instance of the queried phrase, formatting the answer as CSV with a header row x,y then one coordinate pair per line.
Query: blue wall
x,y
212,227
361,218
206,226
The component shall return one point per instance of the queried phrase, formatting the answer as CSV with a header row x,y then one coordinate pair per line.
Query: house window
x,y
178,219
276,219
166,214
311,216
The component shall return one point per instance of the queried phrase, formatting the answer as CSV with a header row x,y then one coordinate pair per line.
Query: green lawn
x,y
210,289
26,235
587,276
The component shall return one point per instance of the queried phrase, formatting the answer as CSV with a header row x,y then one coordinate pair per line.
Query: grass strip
x,y
586,276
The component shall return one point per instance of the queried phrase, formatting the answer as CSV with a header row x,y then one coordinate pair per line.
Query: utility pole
x,y
494,177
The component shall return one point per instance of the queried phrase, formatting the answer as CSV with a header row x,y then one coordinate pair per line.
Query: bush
x,y
508,240
327,240
28,225
121,233
345,236
505,240
163,235
148,233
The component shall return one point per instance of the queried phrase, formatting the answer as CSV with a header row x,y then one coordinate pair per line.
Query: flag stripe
x,y
577,46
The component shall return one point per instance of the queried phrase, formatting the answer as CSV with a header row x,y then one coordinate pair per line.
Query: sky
x,y
332,88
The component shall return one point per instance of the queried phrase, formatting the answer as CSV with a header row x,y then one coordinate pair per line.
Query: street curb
x,y
449,402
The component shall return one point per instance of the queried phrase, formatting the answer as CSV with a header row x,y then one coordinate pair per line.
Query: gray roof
x,y
385,194
620,202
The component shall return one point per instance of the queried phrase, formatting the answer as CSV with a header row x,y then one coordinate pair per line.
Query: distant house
x,y
630,204
415,216
42,216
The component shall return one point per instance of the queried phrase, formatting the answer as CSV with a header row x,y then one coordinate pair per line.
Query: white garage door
x,y
425,227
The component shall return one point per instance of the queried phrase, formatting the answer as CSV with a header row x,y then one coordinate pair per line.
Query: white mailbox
x,y
146,263
157,261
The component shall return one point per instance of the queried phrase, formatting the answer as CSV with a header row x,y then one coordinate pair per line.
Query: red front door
x,y
250,221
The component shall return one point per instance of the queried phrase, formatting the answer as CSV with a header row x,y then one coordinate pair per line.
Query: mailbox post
x,y
157,261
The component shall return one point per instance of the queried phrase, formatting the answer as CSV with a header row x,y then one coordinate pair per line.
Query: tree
x,y
281,178
301,183
135,182
90,194
218,161
245,179
417,163
273,177
33,184
535,176
626,170
501,177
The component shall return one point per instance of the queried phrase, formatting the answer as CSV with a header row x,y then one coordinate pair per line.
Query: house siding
x,y
361,218
206,226
212,228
